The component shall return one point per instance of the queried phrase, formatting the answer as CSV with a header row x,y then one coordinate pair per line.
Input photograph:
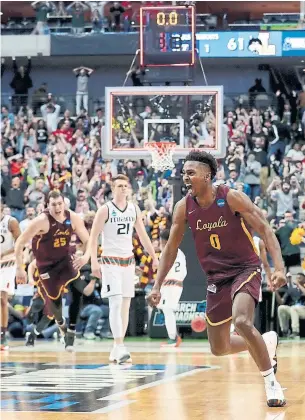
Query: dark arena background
x,y
93,89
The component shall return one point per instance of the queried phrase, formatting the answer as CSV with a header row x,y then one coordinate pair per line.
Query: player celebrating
x,y
51,233
171,291
9,232
116,220
219,219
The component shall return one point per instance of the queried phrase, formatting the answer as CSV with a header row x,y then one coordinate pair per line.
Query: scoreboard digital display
x,y
167,36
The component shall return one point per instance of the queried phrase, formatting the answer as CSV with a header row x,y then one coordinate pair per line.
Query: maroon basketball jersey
x,y
54,245
223,242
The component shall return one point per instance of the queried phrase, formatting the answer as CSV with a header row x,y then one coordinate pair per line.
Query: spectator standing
x,y
14,198
252,176
116,12
42,9
42,136
50,113
21,84
97,22
78,16
82,74
283,196
261,156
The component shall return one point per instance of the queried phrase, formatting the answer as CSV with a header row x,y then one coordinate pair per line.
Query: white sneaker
x,y
112,356
275,395
272,340
119,354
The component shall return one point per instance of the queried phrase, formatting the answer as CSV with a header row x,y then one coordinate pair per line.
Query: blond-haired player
x,y
116,221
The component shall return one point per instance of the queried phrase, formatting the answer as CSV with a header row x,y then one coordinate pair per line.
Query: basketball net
x,y
161,154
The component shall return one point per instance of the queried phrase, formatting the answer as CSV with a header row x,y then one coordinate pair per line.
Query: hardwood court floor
x,y
46,383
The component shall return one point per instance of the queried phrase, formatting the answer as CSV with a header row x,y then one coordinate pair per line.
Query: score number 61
x,y
234,44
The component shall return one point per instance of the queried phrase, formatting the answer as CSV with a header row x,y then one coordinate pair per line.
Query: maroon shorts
x,y
47,307
55,278
220,295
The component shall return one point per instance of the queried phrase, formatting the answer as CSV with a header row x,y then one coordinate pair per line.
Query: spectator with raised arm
x,y
77,9
43,8
50,113
82,74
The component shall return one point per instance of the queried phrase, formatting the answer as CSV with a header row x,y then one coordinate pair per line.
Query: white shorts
x,y
170,296
7,278
118,280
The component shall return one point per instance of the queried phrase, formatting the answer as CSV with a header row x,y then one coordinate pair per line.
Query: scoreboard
x,y
167,36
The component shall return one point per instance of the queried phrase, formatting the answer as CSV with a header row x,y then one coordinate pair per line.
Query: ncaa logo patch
x,y
113,213
220,202
68,222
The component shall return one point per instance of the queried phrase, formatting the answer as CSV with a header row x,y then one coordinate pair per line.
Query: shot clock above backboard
x,y
167,36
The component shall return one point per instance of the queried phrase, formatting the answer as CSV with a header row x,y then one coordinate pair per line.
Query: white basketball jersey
x,y
118,231
6,237
178,270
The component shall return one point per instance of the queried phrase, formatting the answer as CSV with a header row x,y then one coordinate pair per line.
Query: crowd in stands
x,y
103,16
44,147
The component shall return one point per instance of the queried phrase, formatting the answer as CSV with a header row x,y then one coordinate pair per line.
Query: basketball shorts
x,y
118,277
7,277
171,291
42,299
220,295
55,278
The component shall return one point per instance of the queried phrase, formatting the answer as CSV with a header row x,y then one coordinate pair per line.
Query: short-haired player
x,y
116,221
220,218
51,234
171,291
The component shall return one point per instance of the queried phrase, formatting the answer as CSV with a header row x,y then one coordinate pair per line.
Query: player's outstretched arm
x,y
242,204
144,238
39,225
91,251
169,253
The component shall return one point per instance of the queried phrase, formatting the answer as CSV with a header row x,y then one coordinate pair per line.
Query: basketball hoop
x,y
162,155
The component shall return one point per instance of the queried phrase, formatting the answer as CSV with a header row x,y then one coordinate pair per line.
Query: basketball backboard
x,y
191,116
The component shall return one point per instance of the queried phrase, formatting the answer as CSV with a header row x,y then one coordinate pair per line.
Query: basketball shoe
x,y
120,354
69,340
271,340
275,395
30,337
172,343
